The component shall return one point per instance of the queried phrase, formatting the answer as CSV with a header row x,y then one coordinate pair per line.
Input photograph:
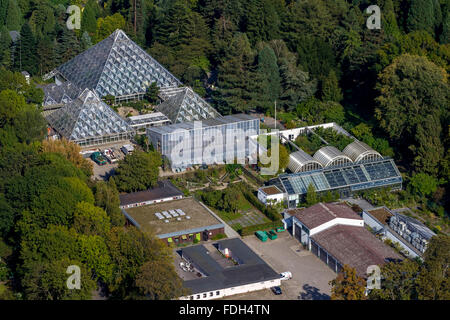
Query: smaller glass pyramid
x,y
88,120
183,105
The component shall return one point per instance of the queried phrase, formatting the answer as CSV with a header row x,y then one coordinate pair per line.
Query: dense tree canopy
x,y
412,106
138,171
315,58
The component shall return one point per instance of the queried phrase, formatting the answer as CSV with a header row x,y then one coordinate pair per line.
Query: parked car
x,y
98,158
109,154
277,290
286,275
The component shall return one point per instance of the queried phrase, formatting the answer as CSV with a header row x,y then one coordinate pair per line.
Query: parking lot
x,y
310,276
105,171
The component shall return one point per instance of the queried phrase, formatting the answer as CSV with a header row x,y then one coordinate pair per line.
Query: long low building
x,y
345,180
141,122
163,191
336,235
409,234
225,268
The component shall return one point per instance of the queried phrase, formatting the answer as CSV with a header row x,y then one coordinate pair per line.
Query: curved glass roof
x,y
300,161
359,151
331,156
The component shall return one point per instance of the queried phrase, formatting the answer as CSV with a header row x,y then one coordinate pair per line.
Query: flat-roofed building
x,y
141,122
270,195
163,191
211,141
224,268
195,223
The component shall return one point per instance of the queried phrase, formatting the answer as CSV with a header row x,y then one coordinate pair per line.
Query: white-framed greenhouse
x,y
88,121
300,161
330,156
358,151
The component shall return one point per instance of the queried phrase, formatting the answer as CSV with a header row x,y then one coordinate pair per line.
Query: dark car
x,y
277,290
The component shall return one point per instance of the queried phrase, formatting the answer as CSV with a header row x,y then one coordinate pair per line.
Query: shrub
x,y
219,236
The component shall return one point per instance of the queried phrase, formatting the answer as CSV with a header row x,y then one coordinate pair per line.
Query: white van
x,y
286,275
127,149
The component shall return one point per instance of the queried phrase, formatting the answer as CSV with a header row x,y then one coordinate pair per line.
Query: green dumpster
x,y
261,235
272,235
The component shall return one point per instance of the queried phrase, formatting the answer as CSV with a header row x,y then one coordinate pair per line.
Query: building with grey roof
x,y
225,268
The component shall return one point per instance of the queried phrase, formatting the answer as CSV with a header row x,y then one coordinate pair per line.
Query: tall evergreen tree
x,y
5,42
268,86
3,11
14,16
389,21
88,20
234,75
42,21
261,21
137,16
26,55
445,35
45,55
296,83
423,15
330,88
68,46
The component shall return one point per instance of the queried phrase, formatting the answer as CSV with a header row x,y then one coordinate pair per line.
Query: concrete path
x,y
363,204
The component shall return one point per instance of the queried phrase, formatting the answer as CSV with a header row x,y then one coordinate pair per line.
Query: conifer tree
x,y
3,11
330,88
88,20
14,16
5,42
234,77
268,87
26,55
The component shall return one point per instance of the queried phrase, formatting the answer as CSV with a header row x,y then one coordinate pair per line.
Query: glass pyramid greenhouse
x,y
183,104
89,121
116,66
119,67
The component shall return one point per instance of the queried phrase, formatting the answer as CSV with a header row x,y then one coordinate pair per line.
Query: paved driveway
x,y
310,276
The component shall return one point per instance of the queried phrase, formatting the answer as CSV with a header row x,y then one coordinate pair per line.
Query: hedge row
x,y
269,212
246,231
